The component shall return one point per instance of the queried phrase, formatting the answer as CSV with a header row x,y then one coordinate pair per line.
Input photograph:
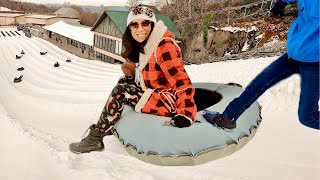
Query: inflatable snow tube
x,y
145,137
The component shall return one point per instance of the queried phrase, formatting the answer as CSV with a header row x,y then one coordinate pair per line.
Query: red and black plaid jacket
x,y
169,90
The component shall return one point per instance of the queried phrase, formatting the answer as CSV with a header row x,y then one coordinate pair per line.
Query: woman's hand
x,y
180,121
128,68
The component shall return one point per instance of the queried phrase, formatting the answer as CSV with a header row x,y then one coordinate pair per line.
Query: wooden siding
x,y
36,21
108,36
114,56
70,45
7,21
21,20
107,44
109,28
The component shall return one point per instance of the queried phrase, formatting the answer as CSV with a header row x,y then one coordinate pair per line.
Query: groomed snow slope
x,y
52,107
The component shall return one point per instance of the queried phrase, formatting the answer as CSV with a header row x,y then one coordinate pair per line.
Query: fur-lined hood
x,y
159,32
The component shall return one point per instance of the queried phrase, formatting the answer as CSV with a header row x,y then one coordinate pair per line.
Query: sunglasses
x,y
144,24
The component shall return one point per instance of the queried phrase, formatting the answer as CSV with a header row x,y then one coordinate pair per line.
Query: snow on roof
x,y
10,15
5,9
40,16
67,12
235,29
76,32
117,8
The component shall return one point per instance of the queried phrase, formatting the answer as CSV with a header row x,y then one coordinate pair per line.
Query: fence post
x,y
245,12
228,18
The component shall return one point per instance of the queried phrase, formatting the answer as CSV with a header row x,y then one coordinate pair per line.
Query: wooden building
x,y
76,39
10,19
44,20
109,29
67,12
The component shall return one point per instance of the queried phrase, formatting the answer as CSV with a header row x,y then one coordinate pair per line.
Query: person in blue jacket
x,y
302,57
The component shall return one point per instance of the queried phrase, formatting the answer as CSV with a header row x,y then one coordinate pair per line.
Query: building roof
x,y
5,9
79,33
120,19
10,15
67,12
40,16
117,8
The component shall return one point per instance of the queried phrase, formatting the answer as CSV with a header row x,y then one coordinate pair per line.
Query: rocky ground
x,y
273,43
275,30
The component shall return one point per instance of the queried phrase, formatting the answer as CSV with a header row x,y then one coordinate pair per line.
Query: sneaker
x,y
93,142
219,120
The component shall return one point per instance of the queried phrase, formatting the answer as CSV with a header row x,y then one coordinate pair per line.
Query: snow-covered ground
x,y
52,107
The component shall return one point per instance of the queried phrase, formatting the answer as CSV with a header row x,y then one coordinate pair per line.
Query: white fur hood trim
x,y
151,46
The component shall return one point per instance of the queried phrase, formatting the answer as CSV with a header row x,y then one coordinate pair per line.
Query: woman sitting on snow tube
x,y
160,86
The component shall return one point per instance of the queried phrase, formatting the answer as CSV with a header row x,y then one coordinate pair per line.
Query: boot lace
x,y
85,135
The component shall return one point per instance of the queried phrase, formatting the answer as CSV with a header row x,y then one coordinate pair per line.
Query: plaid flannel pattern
x,y
173,89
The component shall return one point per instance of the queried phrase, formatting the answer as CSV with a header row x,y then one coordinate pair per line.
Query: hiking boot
x,y
93,142
220,121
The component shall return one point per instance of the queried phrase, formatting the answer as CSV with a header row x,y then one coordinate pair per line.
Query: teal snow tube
x,y
145,137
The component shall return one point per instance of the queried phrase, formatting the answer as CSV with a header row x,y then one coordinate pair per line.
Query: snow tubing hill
x,y
145,137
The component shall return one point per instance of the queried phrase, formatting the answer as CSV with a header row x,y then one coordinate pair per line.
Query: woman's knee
x,y
118,89
126,80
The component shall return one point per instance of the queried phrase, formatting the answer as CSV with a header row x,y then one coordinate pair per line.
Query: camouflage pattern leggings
x,y
126,92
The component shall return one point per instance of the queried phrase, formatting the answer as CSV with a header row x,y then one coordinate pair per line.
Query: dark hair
x,y
132,47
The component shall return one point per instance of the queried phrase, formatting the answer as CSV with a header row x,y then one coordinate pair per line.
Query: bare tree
x,y
131,3
27,7
184,12
102,8
159,3
66,4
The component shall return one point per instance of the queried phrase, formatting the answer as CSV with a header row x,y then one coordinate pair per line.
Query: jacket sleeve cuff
x,y
191,121
143,100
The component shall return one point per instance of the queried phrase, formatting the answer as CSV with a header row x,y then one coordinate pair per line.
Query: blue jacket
x,y
303,37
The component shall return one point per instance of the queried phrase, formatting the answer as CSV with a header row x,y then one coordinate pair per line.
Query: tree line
x,y
27,7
